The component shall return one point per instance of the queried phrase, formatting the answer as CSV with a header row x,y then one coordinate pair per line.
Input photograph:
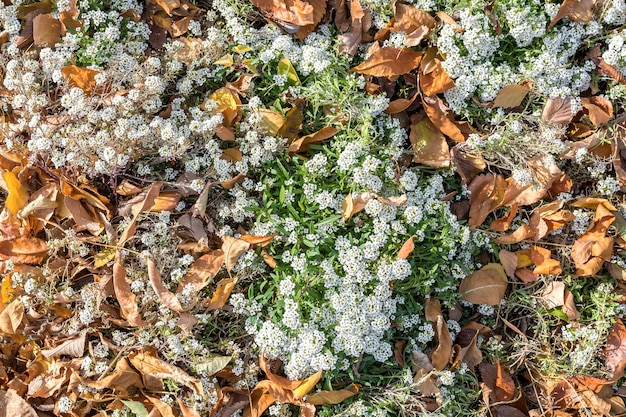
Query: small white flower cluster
x,y
615,54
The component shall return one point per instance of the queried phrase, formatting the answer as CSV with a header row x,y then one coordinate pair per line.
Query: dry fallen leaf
x,y
168,298
302,144
74,347
429,145
233,248
389,62
600,109
406,249
13,405
203,270
332,397
154,367
11,317
615,350
485,286
558,111
46,30
580,11
511,96
124,295
222,291
438,113
18,196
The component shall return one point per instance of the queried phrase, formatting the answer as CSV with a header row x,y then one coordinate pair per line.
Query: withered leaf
x,y
485,286
46,30
441,356
233,248
511,96
438,113
302,144
615,350
18,196
294,12
12,404
406,249
332,397
558,111
202,270
24,250
222,291
74,347
165,296
155,367
429,145
580,11
83,78
389,62
599,108
123,293
11,317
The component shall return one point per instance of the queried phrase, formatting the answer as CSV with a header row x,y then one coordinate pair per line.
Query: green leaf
x,y
213,365
136,407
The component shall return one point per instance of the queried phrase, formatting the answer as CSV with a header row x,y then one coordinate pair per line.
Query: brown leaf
x,y
580,11
319,10
122,378
441,356
508,261
438,113
436,80
11,317
541,257
615,350
511,96
389,62
292,124
123,293
302,144
429,145
408,18
360,24
487,193
46,30
406,249
599,108
12,404
202,270
157,368
168,298
294,12
332,397
233,248
485,286
558,111
399,105
74,347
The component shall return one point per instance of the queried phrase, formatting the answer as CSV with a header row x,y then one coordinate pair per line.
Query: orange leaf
x,y
83,78
406,249
485,286
599,108
258,240
408,18
389,62
18,196
543,263
523,232
122,378
302,144
222,292
438,113
294,12
24,250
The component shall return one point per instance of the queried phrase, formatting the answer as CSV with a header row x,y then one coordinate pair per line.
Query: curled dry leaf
x,y
294,12
600,109
438,113
302,144
389,62
615,350
521,233
124,295
436,80
233,248
594,248
74,347
222,292
415,23
485,286
123,377
544,264
168,298
24,250
157,368
441,356
360,24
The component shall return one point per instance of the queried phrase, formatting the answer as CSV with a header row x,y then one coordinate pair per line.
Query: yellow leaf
x,y
285,68
225,99
222,292
225,61
241,49
102,258
250,66
307,385
332,397
18,196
